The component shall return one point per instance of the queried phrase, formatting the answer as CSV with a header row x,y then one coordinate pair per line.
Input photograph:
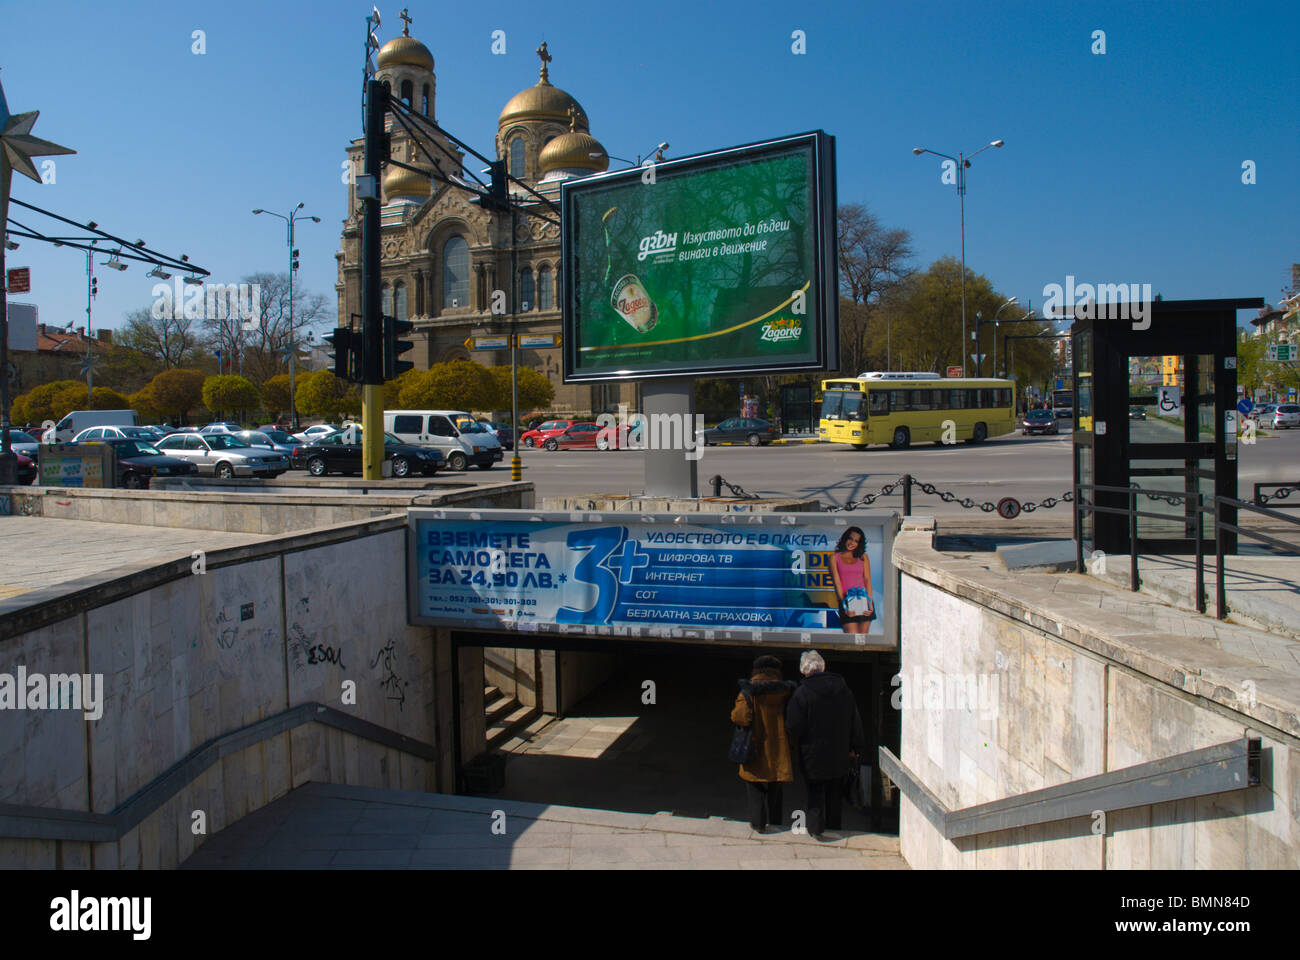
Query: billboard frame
x,y
825,273
887,521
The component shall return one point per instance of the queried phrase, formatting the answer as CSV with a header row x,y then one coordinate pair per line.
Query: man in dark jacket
x,y
823,717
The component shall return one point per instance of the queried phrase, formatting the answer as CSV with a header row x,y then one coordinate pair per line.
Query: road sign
x,y
20,280
1283,353
1245,405
1060,384
488,343
527,340
1008,508
1170,399
954,372
978,357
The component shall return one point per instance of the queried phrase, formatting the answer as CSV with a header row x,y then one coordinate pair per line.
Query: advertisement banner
x,y
748,577
716,263
75,465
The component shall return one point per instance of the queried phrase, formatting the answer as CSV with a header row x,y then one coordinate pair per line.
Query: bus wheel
x,y
901,439
981,433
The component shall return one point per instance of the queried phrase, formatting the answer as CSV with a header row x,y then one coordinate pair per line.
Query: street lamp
x,y
979,357
962,162
293,266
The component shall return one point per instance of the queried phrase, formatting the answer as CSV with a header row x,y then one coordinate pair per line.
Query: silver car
x,y
116,433
222,455
1286,416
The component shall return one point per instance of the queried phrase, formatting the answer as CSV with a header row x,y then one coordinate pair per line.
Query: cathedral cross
x,y
546,58
406,18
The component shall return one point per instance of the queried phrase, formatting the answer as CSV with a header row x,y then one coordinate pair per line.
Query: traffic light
x,y
342,340
293,260
94,286
497,197
394,348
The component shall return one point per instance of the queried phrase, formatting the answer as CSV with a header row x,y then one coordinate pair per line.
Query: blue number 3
x,y
591,570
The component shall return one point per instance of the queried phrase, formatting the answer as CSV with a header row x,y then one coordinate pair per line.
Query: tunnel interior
x,y
654,735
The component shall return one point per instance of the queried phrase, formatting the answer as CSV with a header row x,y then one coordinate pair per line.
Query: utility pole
x,y
372,325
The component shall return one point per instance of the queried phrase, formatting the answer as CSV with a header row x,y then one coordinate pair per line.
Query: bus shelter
x,y
1155,395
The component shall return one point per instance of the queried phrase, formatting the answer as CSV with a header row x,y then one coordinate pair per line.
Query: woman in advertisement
x,y
851,571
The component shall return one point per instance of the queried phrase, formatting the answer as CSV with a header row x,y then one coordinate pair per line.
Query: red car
x,y
26,469
586,435
551,428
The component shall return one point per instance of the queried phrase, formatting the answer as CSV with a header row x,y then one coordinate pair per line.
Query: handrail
x,y
1281,492
1224,767
1221,594
51,823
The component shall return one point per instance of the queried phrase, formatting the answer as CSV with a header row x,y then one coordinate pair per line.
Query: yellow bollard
x,y
516,468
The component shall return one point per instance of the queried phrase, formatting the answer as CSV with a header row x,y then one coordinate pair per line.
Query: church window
x,y
408,91
386,299
545,289
526,299
399,301
517,157
425,104
455,273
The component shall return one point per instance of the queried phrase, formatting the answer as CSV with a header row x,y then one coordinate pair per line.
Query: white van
x,y
79,420
460,437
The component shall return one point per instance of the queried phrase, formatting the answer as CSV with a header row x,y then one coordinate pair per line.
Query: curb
x,y
783,441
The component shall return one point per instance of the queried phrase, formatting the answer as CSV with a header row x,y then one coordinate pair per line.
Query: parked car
x,y
1137,413
538,435
264,441
23,442
223,455
335,454
79,420
116,433
36,432
1038,421
222,426
1286,416
26,469
750,430
460,437
503,432
583,436
139,461
312,434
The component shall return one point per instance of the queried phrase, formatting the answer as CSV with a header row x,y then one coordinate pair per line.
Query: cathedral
x,y
442,256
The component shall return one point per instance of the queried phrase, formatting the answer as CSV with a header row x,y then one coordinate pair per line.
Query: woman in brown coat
x,y
772,767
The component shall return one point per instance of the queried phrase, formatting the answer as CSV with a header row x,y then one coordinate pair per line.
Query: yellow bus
x,y
905,408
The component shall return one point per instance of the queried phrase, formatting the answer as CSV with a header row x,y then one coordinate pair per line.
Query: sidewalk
x,y
1261,592
326,826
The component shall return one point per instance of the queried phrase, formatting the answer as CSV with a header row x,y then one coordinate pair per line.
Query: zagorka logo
x,y
782,328
657,242
76,913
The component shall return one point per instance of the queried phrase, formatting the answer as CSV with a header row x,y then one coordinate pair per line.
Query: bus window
x,y
985,401
831,404
852,406
1004,397
958,399
879,403
919,400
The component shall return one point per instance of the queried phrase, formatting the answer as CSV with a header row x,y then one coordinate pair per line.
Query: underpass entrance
x,y
649,728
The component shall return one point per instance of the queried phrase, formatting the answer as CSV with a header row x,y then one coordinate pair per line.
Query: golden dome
x,y
573,151
542,102
405,51
403,184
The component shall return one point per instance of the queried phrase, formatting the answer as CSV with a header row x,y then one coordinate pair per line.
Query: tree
x,y
169,337
1252,368
321,394
872,260
143,403
393,388
49,401
458,385
176,392
263,340
227,393
102,398
275,394
535,389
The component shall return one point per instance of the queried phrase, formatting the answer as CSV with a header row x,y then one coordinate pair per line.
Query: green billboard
x,y
718,263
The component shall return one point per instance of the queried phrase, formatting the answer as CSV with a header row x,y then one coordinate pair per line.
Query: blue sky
x,y
1122,167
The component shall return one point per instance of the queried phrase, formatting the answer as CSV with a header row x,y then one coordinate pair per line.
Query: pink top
x,y
851,574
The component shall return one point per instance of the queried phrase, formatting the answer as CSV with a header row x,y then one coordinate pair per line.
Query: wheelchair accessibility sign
x,y
1170,400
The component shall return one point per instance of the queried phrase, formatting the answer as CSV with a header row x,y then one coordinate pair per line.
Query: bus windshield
x,y
842,405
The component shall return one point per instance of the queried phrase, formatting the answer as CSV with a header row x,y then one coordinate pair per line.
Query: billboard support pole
x,y
669,472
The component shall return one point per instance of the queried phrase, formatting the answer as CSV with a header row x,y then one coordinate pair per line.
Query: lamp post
x,y
979,357
292,218
962,162
658,152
